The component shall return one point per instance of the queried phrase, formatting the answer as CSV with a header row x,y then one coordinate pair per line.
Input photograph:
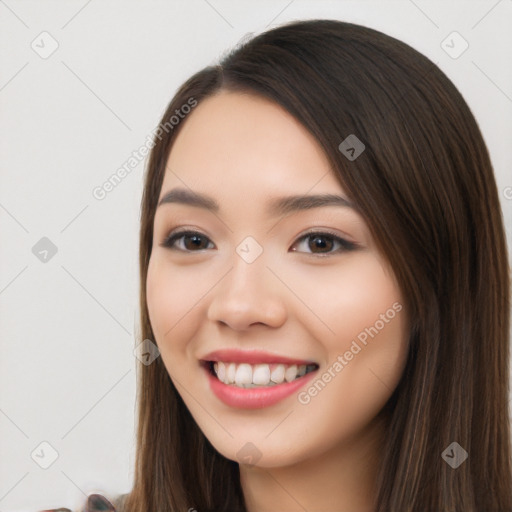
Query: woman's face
x,y
249,280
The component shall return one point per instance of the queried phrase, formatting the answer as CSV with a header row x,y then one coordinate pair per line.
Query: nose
x,y
248,294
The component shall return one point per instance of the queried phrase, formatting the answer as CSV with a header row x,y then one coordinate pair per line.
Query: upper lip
x,y
252,357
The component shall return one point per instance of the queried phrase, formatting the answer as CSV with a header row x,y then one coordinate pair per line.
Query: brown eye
x,y
322,243
192,241
319,242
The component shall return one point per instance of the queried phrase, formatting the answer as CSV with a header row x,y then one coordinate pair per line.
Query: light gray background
x,y
68,122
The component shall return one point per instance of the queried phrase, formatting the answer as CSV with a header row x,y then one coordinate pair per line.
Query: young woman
x,y
324,270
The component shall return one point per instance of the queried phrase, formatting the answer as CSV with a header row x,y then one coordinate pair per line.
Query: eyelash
x,y
345,244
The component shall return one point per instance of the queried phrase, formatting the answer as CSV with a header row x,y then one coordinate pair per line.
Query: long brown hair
x,y
426,189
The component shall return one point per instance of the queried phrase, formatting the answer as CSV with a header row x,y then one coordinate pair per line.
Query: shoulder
x,y
102,503
98,503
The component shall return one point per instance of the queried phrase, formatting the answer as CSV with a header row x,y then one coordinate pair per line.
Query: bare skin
x,y
316,451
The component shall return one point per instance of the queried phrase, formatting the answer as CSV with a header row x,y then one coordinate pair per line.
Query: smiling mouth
x,y
244,375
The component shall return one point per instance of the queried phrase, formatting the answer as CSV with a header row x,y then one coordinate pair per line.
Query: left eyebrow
x,y
275,206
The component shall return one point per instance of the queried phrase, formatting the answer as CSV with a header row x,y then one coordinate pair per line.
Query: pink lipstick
x,y
255,379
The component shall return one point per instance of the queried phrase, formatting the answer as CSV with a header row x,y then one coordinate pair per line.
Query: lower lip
x,y
255,398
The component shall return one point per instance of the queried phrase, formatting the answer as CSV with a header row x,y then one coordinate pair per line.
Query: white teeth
x,y
277,375
290,373
231,373
243,375
221,371
261,374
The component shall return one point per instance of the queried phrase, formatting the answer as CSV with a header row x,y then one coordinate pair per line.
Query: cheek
x,y
366,341
340,304
171,296
365,357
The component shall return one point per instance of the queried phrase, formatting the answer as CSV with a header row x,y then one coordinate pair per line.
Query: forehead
x,y
242,145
